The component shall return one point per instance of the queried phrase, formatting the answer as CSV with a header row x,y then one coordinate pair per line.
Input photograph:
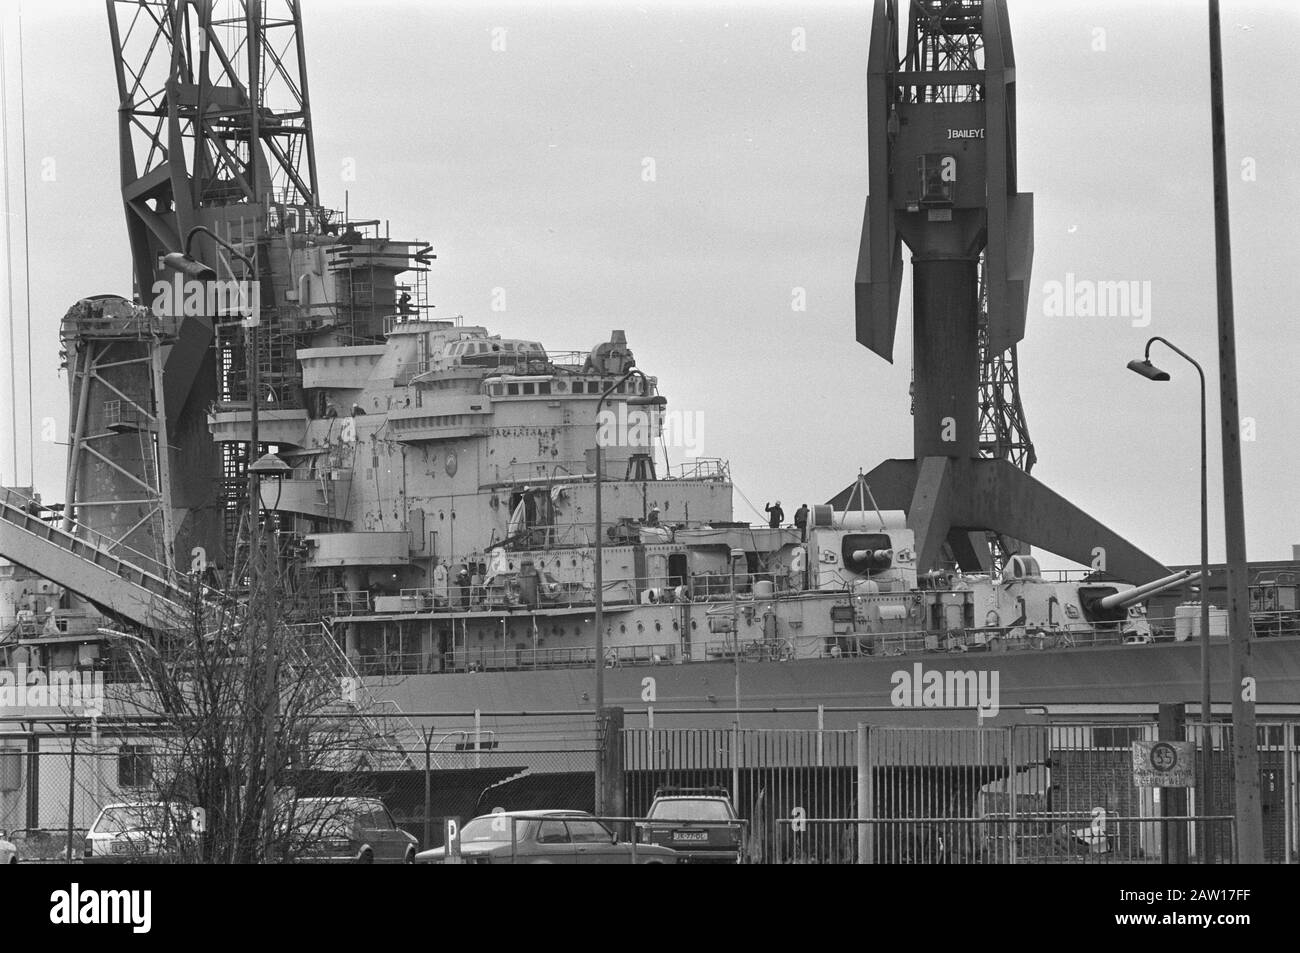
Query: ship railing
x,y
351,602
506,595
569,359
994,639
749,650
380,663
701,468
1273,623
375,662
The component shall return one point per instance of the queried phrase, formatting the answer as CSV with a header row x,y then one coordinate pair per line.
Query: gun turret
x,y
1122,600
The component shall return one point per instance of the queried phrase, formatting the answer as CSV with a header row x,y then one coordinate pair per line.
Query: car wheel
x,y
367,857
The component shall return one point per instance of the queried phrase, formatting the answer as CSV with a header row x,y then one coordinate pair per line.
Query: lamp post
x,y
1247,807
1151,372
186,264
735,625
643,400
735,645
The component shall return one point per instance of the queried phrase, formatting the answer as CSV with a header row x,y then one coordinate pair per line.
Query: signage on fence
x,y
1164,764
451,840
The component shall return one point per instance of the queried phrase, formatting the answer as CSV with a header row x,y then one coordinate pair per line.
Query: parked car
x,y
8,851
344,830
546,837
698,822
140,832
45,845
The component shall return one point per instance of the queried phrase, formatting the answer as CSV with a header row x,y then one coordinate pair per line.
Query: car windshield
x,y
686,809
329,816
116,820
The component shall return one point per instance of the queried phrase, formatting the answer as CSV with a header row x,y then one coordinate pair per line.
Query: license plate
x,y
690,835
120,847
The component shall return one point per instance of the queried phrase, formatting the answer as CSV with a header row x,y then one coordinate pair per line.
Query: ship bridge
x,y
88,568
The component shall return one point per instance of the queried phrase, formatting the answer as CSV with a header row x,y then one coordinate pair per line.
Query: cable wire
x,y
27,264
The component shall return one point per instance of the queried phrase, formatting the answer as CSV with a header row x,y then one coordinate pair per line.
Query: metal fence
x,y
1040,838
1032,793
1049,793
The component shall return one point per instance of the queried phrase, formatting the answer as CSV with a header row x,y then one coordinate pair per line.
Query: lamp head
x,y
190,267
1148,370
270,465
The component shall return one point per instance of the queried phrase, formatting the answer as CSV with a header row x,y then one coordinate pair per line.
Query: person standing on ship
x,y
476,586
775,515
462,587
801,522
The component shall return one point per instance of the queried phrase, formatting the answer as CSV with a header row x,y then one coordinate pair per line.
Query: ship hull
x,y
1027,685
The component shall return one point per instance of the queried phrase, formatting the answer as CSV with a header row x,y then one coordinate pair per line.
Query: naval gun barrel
x,y
876,555
1122,600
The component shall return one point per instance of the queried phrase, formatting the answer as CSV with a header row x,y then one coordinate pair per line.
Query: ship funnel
x,y
1122,600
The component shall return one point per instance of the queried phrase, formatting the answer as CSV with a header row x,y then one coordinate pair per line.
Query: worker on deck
x,y
652,518
801,522
775,515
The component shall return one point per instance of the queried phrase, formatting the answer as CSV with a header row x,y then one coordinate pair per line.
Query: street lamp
x,y
184,263
644,400
1151,372
736,554
270,465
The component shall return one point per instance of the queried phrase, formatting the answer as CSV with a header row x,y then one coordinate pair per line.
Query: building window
x,y
134,766
512,389
544,387
529,389
1119,736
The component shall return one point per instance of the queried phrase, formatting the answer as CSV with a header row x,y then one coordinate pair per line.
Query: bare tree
x,y
248,702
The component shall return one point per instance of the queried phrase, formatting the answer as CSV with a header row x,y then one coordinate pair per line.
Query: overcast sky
x,y
524,167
